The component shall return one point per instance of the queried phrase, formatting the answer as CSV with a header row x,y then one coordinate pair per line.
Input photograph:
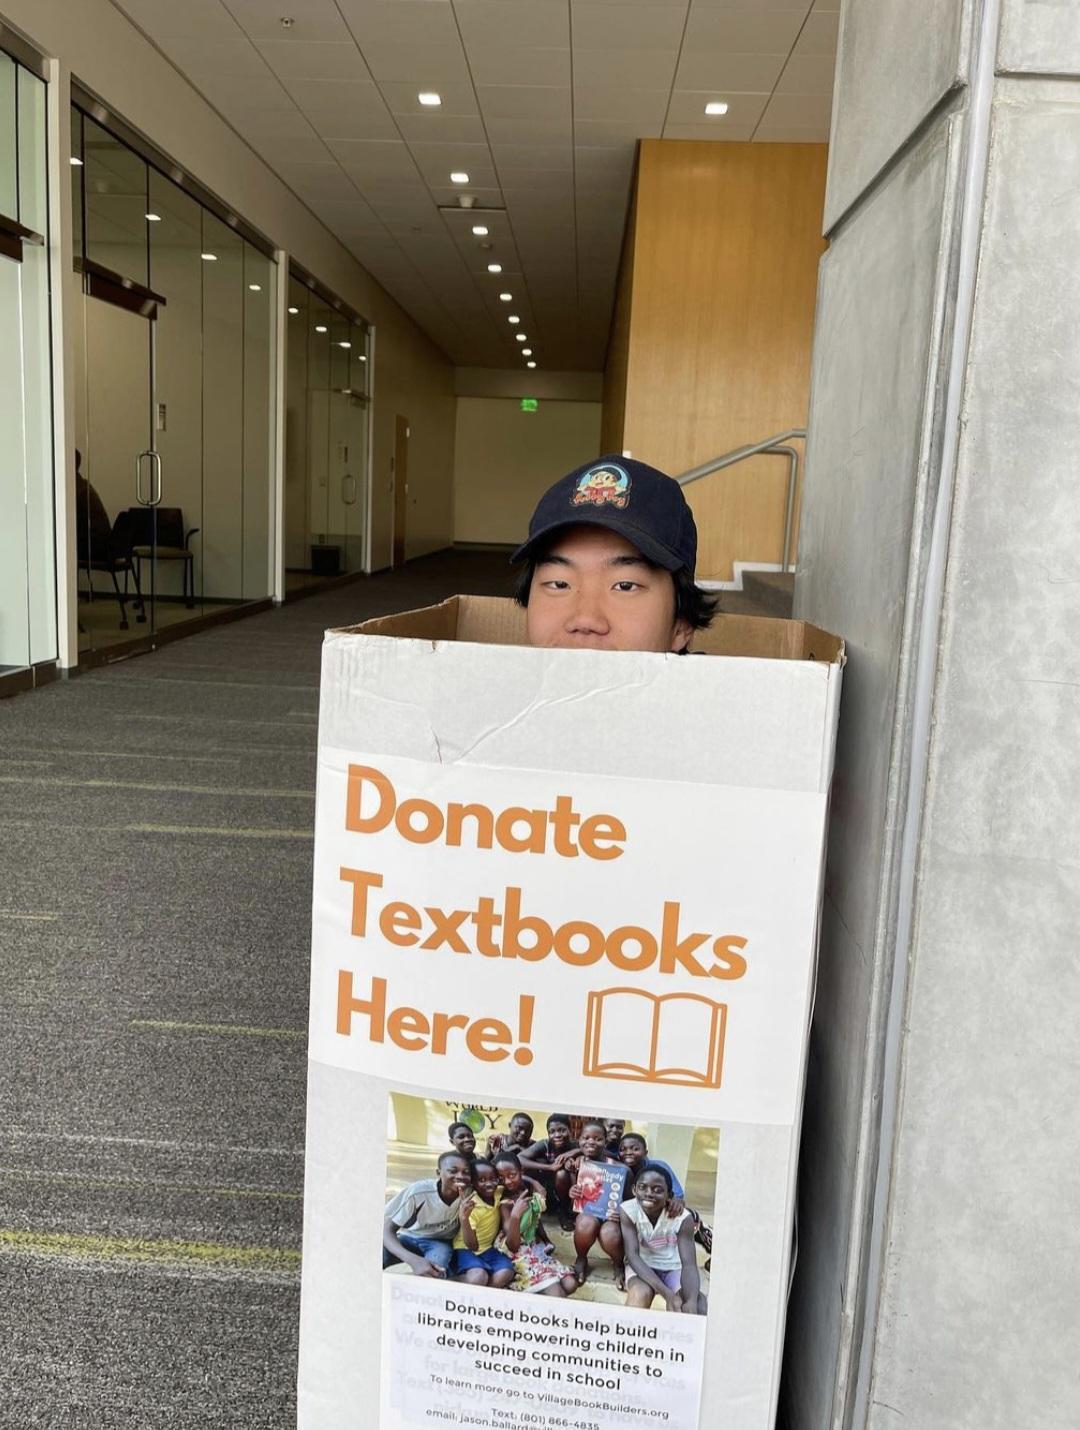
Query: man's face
x,y
594,591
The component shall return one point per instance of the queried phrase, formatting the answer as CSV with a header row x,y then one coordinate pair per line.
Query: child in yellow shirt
x,y
475,1259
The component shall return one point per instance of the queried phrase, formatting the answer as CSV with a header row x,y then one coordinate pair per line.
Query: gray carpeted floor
x,y
155,856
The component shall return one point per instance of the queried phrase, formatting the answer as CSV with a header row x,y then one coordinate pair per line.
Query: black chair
x,y
171,542
104,547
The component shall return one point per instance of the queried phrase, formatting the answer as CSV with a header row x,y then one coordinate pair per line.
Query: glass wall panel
x,y
326,467
189,387
116,203
28,634
9,160
258,406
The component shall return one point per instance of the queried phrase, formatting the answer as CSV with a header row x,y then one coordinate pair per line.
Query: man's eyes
x,y
629,586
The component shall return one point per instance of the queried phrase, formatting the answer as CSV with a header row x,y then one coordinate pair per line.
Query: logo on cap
x,y
603,486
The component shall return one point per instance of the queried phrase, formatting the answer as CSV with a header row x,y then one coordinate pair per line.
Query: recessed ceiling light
x,y
344,345
76,163
506,297
526,352
459,176
513,318
363,357
716,106
521,337
294,311
320,327
494,267
479,231
429,98
530,364
153,218
208,257
255,287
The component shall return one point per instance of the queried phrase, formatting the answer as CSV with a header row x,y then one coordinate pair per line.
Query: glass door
x,y
28,632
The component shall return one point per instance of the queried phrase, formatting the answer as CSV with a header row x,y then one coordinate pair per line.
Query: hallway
x,y
156,819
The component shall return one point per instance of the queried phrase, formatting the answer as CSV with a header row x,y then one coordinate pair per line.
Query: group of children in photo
x,y
480,1221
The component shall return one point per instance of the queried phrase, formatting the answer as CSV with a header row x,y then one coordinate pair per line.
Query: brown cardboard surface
x,y
497,620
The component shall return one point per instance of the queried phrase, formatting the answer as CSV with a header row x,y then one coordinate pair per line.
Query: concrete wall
x,y
940,1173
110,57
505,458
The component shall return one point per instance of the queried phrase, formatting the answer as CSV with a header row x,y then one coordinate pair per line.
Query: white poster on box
x,y
495,941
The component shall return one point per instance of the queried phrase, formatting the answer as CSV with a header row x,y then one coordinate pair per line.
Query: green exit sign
x,y
529,404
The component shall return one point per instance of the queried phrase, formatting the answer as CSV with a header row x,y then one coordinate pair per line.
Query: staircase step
x,y
764,593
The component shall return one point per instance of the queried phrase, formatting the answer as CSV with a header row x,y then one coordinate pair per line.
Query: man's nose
x,y
587,616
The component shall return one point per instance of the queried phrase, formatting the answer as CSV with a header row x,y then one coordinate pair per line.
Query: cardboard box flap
x,y
496,620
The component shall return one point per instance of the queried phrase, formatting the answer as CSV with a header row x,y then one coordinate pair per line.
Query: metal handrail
x,y
768,446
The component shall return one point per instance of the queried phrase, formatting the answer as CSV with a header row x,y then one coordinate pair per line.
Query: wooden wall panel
x,y
726,240
613,416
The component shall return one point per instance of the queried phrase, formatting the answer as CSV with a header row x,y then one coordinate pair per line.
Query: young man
x,y
422,1220
610,560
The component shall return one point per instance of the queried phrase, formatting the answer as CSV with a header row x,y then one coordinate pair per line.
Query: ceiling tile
x,y
791,134
688,107
819,34
255,123
261,19
807,74
497,24
195,19
449,195
427,66
317,59
642,107
325,180
538,67
401,22
535,156
457,99
529,131
799,109
434,127
291,150
385,159
230,92
635,69
717,71
594,27
737,134
749,31
224,57
334,122
506,101
616,133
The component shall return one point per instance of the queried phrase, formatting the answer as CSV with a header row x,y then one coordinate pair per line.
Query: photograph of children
x,y
607,1209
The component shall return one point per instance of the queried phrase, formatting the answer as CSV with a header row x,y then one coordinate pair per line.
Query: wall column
x,y
940,520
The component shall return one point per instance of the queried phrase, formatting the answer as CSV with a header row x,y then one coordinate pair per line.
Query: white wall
x,y
505,458
110,57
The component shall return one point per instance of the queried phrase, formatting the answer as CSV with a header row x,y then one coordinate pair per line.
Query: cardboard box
x,y
574,883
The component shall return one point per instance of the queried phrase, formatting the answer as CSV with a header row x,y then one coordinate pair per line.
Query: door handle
x,y
347,499
143,501
155,471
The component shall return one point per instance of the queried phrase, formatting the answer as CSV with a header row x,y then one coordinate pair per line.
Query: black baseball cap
x,y
644,506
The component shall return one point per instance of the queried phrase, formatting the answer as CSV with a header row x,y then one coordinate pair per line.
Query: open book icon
x,y
654,1037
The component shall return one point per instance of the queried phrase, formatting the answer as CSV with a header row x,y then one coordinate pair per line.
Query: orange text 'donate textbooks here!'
x,y
485,927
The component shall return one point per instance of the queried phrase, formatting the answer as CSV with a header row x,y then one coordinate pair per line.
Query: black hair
x,y
660,1172
594,1122
637,1137
445,1156
692,605
562,1117
482,1162
454,1127
506,1156
515,1117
